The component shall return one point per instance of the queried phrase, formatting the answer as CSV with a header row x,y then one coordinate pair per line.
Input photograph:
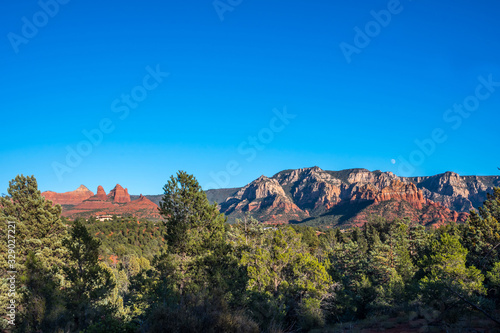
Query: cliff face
x,y
69,198
459,193
313,196
265,198
116,202
400,191
101,194
119,194
354,196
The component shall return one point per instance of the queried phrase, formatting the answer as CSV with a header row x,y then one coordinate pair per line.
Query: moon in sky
x,y
393,161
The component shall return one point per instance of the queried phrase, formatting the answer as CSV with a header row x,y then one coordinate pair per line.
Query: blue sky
x,y
268,87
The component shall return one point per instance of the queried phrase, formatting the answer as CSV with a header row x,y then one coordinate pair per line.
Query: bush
x,y
310,314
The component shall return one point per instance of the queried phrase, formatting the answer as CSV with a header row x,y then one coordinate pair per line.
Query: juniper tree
x,y
193,226
38,236
449,284
481,233
284,277
90,282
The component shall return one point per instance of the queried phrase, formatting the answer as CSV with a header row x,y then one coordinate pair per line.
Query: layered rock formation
x,y
119,194
101,194
400,191
460,193
69,198
354,196
117,202
264,195
312,196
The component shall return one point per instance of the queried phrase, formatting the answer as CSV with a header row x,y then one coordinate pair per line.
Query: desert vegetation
x,y
194,272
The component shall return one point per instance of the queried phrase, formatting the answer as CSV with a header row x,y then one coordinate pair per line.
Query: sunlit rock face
x,y
69,198
116,202
315,197
355,196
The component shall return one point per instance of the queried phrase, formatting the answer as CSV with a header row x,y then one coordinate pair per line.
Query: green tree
x,y
245,231
493,277
90,282
194,232
481,233
37,229
284,278
349,269
41,291
193,226
448,281
197,266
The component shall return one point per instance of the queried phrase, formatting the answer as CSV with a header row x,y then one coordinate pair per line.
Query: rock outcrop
x,y
265,198
119,195
69,198
354,196
101,194
402,191
313,196
459,193
116,202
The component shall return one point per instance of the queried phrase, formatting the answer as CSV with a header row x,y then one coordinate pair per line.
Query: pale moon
x,y
393,161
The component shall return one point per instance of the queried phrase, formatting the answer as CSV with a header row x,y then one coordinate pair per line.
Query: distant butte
x,y
101,194
119,194
69,198
83,203
312,196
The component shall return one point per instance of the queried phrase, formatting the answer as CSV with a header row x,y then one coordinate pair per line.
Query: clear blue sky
x,y
227,76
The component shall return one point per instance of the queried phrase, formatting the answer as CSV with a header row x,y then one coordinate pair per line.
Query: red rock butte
x,y
353,197
69,198
119,194
83,203
101,194
313,196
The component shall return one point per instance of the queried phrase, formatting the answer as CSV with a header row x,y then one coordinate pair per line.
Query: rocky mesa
x,y
353,197
312,196
116,202
69,198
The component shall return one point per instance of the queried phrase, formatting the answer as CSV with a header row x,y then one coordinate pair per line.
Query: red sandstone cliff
x,y
116,202
119,194
317,197
402,191
69,198
336,197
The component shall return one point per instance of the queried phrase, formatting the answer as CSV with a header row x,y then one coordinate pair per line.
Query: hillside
x,y
352,197
311,196
116,202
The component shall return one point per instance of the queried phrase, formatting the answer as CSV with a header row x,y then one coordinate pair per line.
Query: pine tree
x,y
448,281
39,231
90,282
195,231
196,271
481,233
284,277
46,308
193,226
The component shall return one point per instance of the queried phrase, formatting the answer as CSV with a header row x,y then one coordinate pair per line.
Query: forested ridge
x,y
194,272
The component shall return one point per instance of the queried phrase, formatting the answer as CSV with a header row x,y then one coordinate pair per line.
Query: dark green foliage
x,y
195,273
192,224
195,314
46,310
38,232
89,282
481,233
196,269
